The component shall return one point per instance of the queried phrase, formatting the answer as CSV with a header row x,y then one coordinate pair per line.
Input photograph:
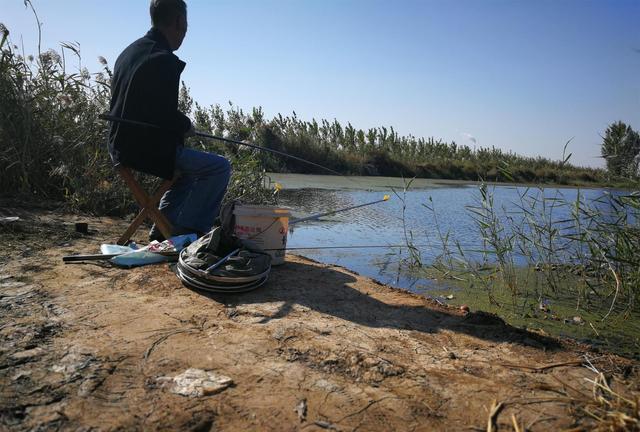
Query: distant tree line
x,y
376,151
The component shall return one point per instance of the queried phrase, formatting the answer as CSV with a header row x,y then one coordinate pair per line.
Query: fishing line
x,y
346,247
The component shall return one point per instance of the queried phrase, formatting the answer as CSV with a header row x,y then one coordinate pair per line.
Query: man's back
x,y
145,87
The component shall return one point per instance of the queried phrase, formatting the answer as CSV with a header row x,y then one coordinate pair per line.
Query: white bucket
x,y
266,226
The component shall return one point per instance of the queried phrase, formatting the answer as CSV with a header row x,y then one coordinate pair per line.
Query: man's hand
x,y
191,132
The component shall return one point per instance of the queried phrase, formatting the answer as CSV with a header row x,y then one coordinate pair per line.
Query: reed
x,y
590,256
382,151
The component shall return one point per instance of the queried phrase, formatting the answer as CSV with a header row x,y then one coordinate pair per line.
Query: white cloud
x,y
469,137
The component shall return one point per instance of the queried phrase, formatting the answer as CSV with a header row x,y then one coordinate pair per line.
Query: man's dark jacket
x,y
145,85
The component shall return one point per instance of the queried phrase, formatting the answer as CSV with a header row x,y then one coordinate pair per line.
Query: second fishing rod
x,y
296,221
129,122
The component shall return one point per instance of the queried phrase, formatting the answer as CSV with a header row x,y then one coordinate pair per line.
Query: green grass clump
x,y
586,263
548,312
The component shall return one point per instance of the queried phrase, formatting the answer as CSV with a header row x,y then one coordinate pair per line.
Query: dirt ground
x,y
86,346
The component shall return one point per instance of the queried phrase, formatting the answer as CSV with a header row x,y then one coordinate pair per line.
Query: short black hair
x,y
165,11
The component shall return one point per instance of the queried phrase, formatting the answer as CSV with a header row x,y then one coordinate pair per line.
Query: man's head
x,y
170,17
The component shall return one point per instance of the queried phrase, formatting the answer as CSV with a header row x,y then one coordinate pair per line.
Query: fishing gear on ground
x,y
220,261
213,264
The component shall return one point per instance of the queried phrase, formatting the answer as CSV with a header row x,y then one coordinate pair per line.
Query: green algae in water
x,y
544,310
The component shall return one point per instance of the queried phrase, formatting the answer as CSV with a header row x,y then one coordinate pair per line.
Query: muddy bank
x,y
91,347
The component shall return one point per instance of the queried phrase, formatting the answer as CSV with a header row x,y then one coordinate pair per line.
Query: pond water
x,y
431,209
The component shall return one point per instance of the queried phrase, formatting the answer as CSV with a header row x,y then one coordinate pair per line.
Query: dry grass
x,y
609,401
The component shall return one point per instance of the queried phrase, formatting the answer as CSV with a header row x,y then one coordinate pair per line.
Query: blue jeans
x,y
193,202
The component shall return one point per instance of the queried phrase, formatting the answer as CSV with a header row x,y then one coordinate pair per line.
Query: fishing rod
x,y
319,215
97,257
115,119
171,254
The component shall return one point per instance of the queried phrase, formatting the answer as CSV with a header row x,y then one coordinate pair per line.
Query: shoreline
x,y
294,181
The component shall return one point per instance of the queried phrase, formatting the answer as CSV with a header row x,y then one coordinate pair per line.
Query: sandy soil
x,y
85,347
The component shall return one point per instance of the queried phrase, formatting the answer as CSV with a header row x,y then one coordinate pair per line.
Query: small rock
x,y
279,333
72,363
449,297
13,291
197,383
28,354
20,374
47,414
326,385
11,284
301,410
324,424
388,370
578,320
88,386
94,282
329,360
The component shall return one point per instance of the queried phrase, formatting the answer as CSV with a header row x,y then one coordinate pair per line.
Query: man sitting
x,y
145,85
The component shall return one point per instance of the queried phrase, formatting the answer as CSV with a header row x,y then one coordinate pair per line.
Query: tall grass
x,y
545,245
51,139
382,151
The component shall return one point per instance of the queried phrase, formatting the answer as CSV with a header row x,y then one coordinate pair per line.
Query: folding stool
x,y
148,205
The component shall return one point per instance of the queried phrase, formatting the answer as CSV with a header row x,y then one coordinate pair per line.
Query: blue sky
x,y
524,76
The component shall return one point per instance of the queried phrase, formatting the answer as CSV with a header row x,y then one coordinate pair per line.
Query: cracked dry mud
x,y
83,346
